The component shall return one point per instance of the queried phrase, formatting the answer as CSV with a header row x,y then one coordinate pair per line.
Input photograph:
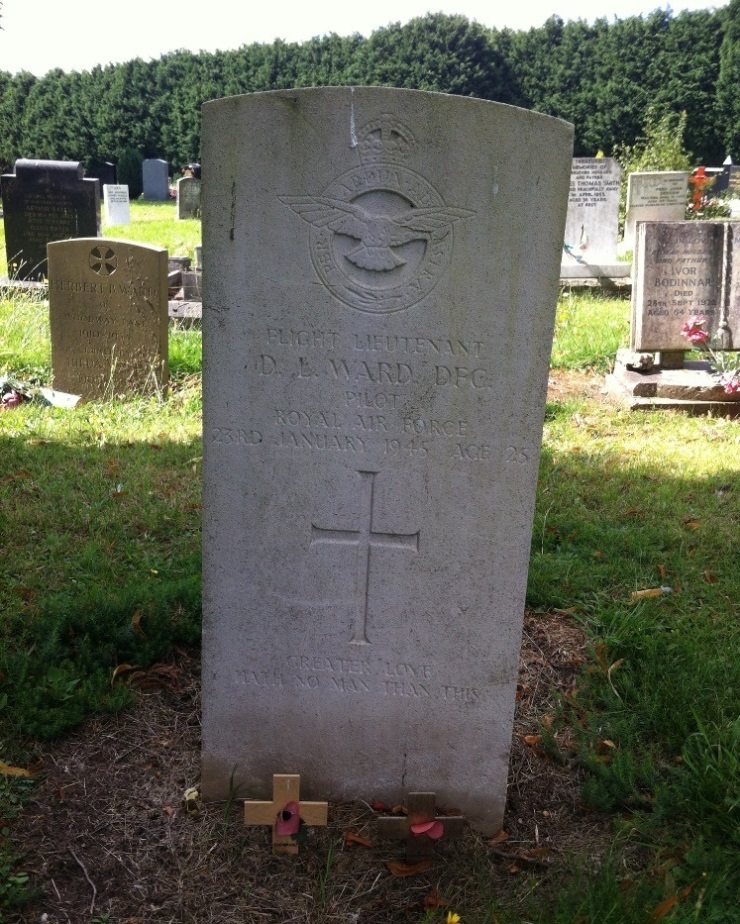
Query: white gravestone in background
x,y
654,196
116,209
592,222
380,274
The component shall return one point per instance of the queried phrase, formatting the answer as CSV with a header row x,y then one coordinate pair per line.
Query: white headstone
x,y
380,279
116,209
656,196
592,224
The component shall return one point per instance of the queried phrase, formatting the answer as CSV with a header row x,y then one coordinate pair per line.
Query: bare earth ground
x,y
107,833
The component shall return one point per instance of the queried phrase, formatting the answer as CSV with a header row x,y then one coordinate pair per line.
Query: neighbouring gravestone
x,y
592,223
656,196
116,208
380,276
683,270
43,201
188,197
727,181
108,317
155,175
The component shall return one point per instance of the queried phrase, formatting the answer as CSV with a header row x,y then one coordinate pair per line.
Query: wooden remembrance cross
x,y
365,538
286,789
421,812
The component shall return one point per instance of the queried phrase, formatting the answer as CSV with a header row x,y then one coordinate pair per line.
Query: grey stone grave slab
x,y
592,223
380,276
108,316
155,175
684,269
654,196
43,201
116,207
188,197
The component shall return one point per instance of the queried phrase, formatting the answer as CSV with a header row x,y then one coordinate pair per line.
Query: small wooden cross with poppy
x,y
285,813
421,827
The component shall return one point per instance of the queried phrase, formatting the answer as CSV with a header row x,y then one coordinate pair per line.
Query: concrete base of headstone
x,y
184,310
611,274
693,388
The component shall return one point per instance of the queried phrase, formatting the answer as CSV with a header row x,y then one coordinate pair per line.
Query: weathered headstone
x,y
655,196
592,223
116,208
380,276
727,180
45,200
108,315
685,269
155,174
684,277
188,197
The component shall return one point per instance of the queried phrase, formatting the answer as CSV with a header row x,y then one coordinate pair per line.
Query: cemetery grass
x,y
625,781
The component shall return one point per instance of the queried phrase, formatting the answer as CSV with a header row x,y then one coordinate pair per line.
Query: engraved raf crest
x,y
381,236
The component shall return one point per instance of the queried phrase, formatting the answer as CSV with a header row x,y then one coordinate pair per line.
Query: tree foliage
x,y
608,78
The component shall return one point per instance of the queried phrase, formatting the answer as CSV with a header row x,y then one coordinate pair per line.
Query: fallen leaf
x,y
381,807
663,908
536,852
606,743
692,523
434,900
710,578
351,838
599,555
403,870
513,869
7,770
663,572
122,669
398,810
169,811
136,624
532,740
498,839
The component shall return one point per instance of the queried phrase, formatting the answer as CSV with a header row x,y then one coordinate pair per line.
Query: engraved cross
x,y
365,539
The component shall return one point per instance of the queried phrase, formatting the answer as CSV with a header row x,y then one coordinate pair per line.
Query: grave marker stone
x,y
684,269
378,309
43,201
116,208
108,316
592,223
654,196
188,197
155,174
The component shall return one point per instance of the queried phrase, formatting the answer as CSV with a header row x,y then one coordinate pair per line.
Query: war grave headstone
x,y
654,196
43,201
380,275
188,197
116,207
592,223
155,175
683,270
108,317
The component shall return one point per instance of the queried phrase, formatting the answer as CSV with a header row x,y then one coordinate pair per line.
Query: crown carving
x,y
385,141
